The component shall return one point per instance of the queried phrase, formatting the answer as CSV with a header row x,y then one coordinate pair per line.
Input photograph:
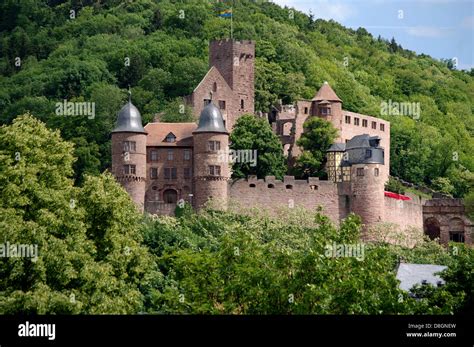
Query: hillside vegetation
x,y
84,58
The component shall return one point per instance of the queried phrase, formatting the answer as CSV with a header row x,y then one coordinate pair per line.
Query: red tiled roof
x,y
157,134
326,93
396,196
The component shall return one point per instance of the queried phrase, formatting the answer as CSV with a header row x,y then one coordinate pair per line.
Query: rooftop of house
x,y
326,93
158,132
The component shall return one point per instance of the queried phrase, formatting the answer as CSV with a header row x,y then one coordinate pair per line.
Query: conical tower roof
x,y
326,93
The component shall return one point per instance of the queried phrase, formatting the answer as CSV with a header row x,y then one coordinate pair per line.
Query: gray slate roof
x,y
411,274
337,147
211,120
129,120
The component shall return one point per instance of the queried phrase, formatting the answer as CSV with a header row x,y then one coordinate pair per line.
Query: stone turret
x,y
129,153
211,169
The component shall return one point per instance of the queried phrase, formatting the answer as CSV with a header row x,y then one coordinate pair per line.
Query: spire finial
x,y
129,94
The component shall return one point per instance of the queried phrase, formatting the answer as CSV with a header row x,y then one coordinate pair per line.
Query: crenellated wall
x,y
270,193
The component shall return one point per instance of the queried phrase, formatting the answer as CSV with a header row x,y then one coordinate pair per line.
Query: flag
x,y
226,13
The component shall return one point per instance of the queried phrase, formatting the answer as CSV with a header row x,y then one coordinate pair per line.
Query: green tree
x,y
89,255
317,137
255,134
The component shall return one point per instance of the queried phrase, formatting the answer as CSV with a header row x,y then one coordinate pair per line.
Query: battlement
x,y
238,42
444,203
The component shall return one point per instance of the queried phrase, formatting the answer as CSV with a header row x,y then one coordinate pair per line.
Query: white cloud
x,y
322,8
427,31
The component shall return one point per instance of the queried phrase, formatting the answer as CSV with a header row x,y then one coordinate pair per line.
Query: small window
x,y
170,173
374,125
214,87
242,104
170,138
222,104
170,154
187,172
305,110
324,110
348,120
313,187
271,186
356,121
129,146
376,172
364,123
187,154
154,155
153,172
360,171
368,153
252,185
382,127
289,186
214,170
214,146
456,236
129,170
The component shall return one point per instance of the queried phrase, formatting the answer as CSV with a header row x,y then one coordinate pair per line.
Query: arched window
x,y
432,229
456,230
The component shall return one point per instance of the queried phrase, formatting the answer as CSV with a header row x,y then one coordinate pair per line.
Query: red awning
x,y
396,196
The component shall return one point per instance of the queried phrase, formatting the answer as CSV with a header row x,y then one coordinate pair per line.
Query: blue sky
x,y
439,28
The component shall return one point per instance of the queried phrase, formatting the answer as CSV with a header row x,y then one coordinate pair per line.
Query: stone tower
x,y
327,105
235,60
211,168
366,157
129,153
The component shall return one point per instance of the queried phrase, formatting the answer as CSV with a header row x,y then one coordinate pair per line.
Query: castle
x,y
163,163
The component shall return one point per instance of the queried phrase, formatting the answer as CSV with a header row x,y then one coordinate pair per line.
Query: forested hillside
x,y
78,50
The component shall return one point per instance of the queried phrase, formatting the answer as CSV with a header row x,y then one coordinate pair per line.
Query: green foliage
x,y
252,133
394,186
90,256
317,137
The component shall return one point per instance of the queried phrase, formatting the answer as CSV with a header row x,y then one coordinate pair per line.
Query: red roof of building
x,y
396,196
158,131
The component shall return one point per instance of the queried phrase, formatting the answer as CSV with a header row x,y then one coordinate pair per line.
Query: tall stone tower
x,y
129,153
235,60
366,157
211,169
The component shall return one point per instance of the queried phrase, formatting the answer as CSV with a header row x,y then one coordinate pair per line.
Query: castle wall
x,y
290,193
405,213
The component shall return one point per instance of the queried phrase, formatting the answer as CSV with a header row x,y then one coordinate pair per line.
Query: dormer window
x,y
170,138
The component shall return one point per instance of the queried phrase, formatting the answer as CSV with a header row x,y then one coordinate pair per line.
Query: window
x,y
129,146
324,110
348,120
289,186
252,185
214,170
187,154
305,110
313,187
456,236
364,123
360,171
129,170
170,154
153,172
368,153
382,127
242,104
356,121
214,87
222,104
154,155
207,102
374,125
214,146
170,173
187,172
170,138
271,186
376,172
